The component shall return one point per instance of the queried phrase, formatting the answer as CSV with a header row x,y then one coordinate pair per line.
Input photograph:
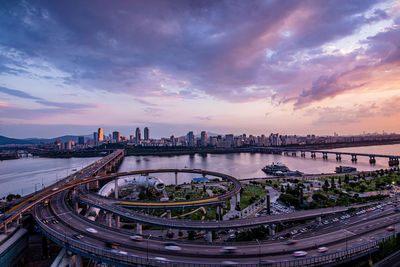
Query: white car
x,y
299,253
322,249
160,259
228,249
136,238
91,230
173,248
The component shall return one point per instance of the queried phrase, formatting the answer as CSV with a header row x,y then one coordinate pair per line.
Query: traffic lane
x,y
155,250
276,247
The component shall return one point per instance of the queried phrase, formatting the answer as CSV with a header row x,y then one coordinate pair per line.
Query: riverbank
x,y
177,151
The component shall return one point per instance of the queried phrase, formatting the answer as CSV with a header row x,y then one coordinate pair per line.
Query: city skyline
x,y
223,67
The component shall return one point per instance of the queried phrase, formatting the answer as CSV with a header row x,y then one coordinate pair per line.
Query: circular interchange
x,y
92,245
172,204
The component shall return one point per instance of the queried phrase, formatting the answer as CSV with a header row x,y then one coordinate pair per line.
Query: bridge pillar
x,y
393,161
294,154
325,155
116,188
139,230
353,158
108,219
313,155
271,228
204,179
319,220
237,199
372,159
269,204
209,236
169,214
303,154
176,178
5,227
338,157
117,222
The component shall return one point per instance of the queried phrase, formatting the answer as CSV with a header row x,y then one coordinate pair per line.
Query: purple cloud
x,y
218,48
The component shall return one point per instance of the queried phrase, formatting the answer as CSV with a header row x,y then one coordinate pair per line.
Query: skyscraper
x,y
138,137
146,133
96,138
116,136
190,139
100,135
81,140
203,138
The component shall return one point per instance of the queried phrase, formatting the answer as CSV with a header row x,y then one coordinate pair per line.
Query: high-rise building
x,y
81,140
100,135
95,138
146,133
173,140
229,140
137,135
190,139
204,138
116,136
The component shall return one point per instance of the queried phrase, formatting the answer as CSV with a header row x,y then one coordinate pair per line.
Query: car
x,y
54,189
173,248
299,253
229,263
322,249
91,230
326,222
54,221
160,259
291,242
77,236
228,249
119,252
45,221
136,238
390,228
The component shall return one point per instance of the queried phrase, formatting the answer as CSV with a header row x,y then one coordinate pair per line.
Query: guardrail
x,y
119,259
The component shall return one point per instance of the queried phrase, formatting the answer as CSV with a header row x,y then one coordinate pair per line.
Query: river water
x,y
21,175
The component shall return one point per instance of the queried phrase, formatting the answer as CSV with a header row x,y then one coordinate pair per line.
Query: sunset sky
x,y
293,67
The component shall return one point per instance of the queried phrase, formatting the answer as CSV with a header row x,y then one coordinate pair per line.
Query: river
x,y
21,175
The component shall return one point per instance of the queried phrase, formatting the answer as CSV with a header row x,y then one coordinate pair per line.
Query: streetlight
x,y
36,187
259,251
147,257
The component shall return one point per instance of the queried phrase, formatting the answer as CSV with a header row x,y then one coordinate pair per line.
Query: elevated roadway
x,y
111,206
94,244
15,213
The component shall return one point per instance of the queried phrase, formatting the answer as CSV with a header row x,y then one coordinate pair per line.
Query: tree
x,y
325,187
289,199
333,183
346,179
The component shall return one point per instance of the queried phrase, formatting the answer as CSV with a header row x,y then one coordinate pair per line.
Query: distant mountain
x,y
11,141
8,141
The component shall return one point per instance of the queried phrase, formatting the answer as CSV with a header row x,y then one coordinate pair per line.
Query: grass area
x,y
250,194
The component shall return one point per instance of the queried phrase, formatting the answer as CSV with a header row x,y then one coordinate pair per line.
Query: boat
x,y
345,169
274,168
279,169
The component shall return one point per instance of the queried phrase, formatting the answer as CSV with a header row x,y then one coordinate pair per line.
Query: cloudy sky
x,y
293,67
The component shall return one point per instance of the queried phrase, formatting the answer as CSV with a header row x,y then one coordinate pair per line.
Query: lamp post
x,y
36,187
147,253
259,251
